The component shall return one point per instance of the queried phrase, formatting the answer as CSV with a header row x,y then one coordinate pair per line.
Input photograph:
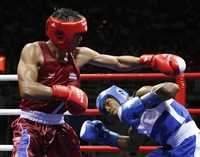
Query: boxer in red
x,y
49,84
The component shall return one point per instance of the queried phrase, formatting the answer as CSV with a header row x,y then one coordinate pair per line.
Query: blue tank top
x,y
161,122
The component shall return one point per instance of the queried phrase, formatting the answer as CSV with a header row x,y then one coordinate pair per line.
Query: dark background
x,y
128,27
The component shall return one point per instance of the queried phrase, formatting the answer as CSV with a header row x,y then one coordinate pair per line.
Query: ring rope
x,y
195,75
89,112
142,149
13,112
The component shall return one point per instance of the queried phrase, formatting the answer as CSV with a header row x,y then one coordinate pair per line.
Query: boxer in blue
x,y
152,113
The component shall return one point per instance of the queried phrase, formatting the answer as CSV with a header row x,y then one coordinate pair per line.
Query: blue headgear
x,y
119,94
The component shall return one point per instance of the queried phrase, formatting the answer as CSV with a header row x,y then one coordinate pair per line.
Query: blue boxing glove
x,y
95,131
131,111
151,99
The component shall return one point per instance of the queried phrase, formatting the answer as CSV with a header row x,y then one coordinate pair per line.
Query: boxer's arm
x,y
27,71
130,111
165,63
96,132
120,63
159,93
166,90
132,142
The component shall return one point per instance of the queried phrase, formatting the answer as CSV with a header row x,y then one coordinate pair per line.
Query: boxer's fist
x,y
77,99
95,131
130,111
165,63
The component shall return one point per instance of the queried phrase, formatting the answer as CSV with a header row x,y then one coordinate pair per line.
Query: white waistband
x,y
186,130
43,118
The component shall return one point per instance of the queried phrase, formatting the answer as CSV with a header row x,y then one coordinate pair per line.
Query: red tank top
x,y
50,73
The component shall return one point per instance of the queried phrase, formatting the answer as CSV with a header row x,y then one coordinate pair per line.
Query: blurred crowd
x,y
134,27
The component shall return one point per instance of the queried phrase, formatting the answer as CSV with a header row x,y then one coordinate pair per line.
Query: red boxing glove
x,y
76,98
165,63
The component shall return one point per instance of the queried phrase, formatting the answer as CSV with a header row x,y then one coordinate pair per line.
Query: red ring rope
x,y
95,112
143,149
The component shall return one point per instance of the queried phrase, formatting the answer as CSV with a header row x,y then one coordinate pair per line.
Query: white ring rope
x,y
12,112
12,77
6,147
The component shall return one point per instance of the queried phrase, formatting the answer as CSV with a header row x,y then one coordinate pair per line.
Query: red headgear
x,y
62,33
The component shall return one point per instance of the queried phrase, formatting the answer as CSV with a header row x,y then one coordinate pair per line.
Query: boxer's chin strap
x,y
119,113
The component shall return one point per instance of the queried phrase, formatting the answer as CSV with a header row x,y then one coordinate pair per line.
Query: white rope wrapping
x,y
6,147
8,77
12,112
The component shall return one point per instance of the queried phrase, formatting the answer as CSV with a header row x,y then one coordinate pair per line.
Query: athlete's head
x,y
109,100
64,28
